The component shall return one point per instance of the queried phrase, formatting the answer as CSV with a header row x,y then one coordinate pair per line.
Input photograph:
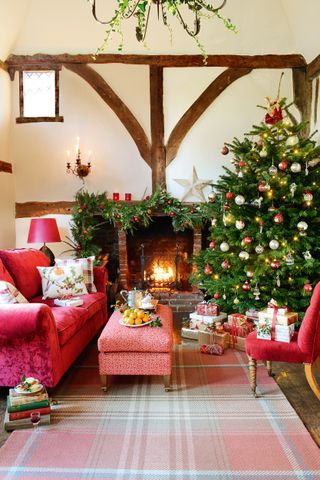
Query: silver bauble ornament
x,y
244,255
224,247
274,244
292,141
212,197
273,170
240,224
295,167
239,200
259,249
307,197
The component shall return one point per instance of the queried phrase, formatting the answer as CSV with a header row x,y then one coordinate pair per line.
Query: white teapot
x,y
146,302
133,298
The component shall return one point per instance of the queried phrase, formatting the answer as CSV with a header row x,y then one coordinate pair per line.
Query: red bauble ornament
x,y
246,286
101,206
225,265
275,264
278,218
262,187
84,206
212,245
216,296
307,287
136,219
78,248
172,214
148,197
283,165
207,269
225,150
229,195
242,164
247,240
85,232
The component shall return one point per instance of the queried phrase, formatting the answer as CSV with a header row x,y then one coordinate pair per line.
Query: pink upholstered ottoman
x,y
136,351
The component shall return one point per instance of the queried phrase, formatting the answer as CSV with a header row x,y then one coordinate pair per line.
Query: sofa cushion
x,y
70,319
4,274
22,265
58,282
10,294
87,267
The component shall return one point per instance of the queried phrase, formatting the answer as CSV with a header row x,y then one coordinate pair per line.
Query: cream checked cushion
x,y
10,294
87,267
58,282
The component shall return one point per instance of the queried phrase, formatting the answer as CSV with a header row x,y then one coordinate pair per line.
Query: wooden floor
x,y
293,383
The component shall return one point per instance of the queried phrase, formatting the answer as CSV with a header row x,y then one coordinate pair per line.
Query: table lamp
x,y
44,230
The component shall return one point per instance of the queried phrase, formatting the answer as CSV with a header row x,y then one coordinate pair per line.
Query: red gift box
x,y
213,309
201,308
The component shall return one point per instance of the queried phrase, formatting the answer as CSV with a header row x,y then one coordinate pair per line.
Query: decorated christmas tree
x,y
265,235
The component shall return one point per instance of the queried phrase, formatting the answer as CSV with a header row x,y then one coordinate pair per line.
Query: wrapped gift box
x,y
208,319
198,324
205,308
237,318
285,319
252,315
239,343
282,333
208,338
189,333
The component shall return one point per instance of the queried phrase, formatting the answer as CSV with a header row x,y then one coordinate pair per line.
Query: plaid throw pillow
x,y
10,294
63,281
87,268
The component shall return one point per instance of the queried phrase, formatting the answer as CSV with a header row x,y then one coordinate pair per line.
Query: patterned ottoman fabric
x,y
136,351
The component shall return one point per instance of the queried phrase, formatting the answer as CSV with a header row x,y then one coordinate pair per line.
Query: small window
x,y
39,96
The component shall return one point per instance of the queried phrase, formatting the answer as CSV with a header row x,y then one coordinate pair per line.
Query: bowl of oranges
x,y
135,317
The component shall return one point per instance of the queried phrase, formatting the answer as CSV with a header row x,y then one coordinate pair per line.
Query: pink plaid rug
x,y
208,428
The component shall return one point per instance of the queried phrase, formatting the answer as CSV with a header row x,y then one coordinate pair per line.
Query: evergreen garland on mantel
x,y
94,210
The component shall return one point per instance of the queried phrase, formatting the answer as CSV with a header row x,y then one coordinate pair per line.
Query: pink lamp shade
x,y
43,230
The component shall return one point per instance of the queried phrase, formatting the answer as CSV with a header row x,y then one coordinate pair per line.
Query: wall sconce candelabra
x,y
79,169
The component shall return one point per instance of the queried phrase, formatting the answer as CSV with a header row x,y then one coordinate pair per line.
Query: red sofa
x,y
38,339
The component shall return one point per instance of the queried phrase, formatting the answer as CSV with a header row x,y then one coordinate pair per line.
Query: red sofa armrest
x,y
100,278
23,320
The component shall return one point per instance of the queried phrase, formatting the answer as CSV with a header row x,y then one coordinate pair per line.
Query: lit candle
x,y
127,197
77,146
116,196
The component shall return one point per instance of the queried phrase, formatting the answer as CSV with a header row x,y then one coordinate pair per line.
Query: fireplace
x,y
155,258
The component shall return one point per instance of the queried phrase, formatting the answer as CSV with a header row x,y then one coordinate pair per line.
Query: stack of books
x,y
21,405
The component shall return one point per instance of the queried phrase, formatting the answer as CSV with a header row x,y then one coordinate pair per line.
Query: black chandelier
x,y
140,9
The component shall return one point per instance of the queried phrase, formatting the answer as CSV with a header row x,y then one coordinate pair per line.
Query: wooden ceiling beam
x,y
236,61
5,167
313,69
38,209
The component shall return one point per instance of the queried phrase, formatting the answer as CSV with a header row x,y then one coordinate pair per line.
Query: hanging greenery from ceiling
x,y
93,210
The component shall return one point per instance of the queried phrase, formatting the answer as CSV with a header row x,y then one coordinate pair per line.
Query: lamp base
x,y
48,253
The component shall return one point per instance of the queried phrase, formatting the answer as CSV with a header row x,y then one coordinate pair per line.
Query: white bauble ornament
x,y
239,200
274,244
250,273
273,170
263,153
224,247
292,141
213,222
244,255
259,249
307,197
236,301
295,167
307,255
240,224
302,227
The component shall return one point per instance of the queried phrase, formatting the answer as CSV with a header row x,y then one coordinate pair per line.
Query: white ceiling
x,y
57,26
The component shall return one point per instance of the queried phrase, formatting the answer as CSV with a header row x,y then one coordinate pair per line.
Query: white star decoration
x,y
193,187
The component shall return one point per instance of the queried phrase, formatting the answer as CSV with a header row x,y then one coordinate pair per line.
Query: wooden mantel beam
x,y
236,61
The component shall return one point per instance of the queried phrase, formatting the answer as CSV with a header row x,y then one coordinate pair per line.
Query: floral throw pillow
x,y
87,267
63,281
10,294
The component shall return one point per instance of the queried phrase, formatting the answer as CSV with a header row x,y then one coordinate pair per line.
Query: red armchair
x,y
303,348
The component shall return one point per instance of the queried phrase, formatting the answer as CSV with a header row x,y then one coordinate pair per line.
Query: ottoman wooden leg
x,y
167,382
253,374
104,383
269,368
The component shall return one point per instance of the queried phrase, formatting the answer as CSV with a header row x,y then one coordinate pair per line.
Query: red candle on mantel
x,y
127,197
116,196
